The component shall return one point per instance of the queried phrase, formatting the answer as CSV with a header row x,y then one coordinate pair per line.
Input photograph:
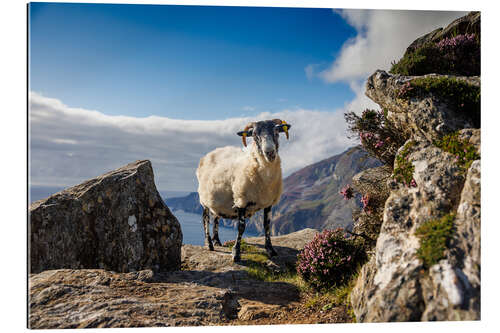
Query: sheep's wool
x,y
230,178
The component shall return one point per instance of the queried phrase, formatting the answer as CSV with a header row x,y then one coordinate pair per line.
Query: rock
x,y
471,23
473,136
116,221
374,183
210,290
394,285
93,298
454,288
427,116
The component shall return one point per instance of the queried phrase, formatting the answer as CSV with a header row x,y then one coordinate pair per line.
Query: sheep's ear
x,y
248,133
282,129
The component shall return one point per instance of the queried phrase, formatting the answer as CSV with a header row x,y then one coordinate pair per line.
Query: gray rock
x,y
427,116
394,286
116,221
372,182
210,290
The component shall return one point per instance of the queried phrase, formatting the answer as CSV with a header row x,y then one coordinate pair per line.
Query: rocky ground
x,y
209,290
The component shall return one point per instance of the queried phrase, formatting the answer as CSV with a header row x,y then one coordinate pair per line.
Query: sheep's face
x,y
266,136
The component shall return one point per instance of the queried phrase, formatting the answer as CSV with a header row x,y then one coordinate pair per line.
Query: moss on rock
x,y
435,236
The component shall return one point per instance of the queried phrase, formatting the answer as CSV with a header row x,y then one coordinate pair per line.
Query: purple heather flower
x,y
413,183
347,192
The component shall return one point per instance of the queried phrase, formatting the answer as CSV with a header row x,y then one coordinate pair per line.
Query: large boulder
x,y
395,285
428,116
116,221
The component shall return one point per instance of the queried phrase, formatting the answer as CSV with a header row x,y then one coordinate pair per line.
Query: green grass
x,y
254,259
419,62
403,168
435,236
459,94
464,151
327,299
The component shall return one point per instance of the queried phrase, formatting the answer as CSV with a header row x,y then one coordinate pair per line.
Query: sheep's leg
x,y
267,221
215,233
241,229
206,229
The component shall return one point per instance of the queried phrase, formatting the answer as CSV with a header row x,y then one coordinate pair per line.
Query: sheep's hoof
x,y
271,252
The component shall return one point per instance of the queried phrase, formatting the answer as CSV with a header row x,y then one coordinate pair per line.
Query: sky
x,y
110,84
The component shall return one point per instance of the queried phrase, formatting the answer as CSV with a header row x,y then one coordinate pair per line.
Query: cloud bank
x,y
69,145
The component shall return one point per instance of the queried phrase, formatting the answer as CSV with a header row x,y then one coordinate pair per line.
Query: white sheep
x,y
234,183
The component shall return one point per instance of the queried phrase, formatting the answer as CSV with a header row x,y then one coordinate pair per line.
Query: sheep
x,y
236,183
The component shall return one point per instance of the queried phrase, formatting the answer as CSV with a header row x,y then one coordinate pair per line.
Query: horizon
x,y
110,84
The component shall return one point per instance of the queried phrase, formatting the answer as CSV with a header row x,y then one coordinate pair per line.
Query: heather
x,y
377,134
458,55
329,259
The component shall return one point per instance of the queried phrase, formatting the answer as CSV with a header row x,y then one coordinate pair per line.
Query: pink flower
x,y
347,192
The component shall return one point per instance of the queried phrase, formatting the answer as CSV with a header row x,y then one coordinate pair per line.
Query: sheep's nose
x,y
271,155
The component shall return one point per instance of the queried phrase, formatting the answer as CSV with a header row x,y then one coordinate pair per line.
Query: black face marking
x,y
265,128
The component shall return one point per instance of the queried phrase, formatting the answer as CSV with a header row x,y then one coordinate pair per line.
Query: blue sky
x,y
188,62
111,84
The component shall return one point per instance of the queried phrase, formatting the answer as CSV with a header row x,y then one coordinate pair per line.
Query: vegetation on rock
x,y
330,259
465,152
458,94
458,55
378,136
435,236
403,168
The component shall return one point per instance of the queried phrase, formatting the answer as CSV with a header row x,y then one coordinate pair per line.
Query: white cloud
x,y
69,145
382,36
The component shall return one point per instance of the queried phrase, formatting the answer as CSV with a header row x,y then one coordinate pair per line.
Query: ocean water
x,y
192,229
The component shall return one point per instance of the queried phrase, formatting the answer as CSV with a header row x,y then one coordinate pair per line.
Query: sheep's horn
x,y
284,126
244,133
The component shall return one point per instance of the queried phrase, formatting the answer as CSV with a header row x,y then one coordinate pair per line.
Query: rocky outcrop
x,y
116,221
209,290
394,285
469,24
429,115
374,184
399,283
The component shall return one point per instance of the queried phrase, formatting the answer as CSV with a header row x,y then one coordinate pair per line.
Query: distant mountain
x,y
189,203
310,197
38,192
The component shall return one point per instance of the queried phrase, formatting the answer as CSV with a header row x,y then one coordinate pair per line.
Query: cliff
x,y
425,263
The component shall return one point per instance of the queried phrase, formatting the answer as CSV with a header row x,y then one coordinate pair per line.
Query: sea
x,y
192,228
